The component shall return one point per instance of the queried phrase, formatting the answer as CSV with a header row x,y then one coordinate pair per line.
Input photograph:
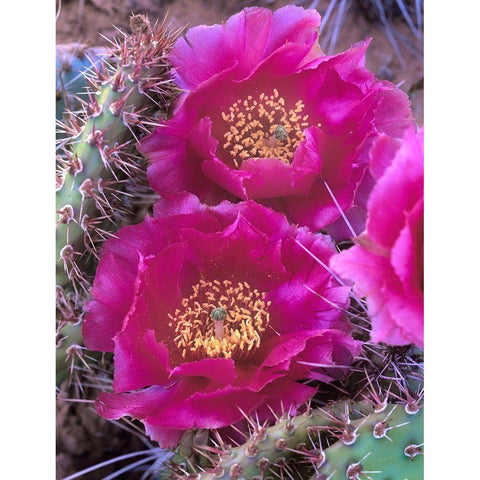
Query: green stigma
x,y
218,314
280,133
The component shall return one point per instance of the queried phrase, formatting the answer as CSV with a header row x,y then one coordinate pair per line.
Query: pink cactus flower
x,y
269,117
214,310
386,264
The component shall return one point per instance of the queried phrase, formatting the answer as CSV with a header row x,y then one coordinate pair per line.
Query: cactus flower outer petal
x,y
286,38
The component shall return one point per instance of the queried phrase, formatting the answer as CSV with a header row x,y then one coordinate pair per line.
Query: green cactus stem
x,y
101,179
99,160
344,440
387,445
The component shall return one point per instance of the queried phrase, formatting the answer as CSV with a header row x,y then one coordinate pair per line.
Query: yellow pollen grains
x,y
220,319
264,128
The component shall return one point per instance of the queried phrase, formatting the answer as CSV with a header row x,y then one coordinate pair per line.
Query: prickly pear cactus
x,y
99,162
100,182
387,444
344,440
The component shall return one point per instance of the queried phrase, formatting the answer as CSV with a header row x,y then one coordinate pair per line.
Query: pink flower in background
x,y
386,264
210,310
270,118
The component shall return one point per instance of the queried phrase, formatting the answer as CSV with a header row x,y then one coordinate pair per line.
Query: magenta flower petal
x,y
284,394
386,219
150,364
216,314
245,40
325,356
220,370
386,264
221,175
407,254
177,162
310,297
208,409
140,360
146,402
113,284
381,154
282,350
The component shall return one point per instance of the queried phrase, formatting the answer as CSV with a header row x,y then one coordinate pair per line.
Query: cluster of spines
x,y
344,440
101,179
97,164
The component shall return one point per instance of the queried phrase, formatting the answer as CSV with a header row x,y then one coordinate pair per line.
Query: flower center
x,y
264,128
220,319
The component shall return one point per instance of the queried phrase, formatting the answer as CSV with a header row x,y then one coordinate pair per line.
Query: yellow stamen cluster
x,y
253,128
199,334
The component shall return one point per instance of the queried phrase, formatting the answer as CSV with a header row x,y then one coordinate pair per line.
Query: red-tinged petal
x,y
385,327
267,177
393,114
272,224
340,103
407,312
325,356
113,289
285,347
375,279
114,286
167,437
175,160
350,64
295,303
307,162
339,229
181,203
318,210
293,39
284,395
309,297
255,258
366,269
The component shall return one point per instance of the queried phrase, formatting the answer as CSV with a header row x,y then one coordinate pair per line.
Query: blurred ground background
x,y
395,54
